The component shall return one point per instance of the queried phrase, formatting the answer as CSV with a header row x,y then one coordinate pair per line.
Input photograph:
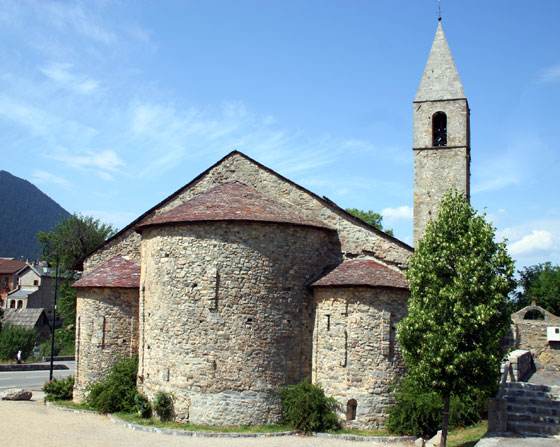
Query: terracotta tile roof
x,y
11,265
364,273
117,272
234,201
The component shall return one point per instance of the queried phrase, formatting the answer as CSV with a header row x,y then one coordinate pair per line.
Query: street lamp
x,y
49,245
54,319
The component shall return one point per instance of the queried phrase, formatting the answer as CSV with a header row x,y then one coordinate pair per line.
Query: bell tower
x,y
441,142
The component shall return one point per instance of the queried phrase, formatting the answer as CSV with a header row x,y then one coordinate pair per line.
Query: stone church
x,y
242,282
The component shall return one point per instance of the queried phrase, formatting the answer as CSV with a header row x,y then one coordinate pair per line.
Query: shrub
x,y
118,390
14,339
142,405
64,343
419,412
163,406
59,389
306,408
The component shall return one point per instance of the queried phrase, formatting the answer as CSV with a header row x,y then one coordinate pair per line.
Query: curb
x,y
30,367
71,410
201,434
197,434
379,439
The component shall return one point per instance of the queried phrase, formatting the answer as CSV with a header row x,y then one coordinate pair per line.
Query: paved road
x,y
33,380
32,424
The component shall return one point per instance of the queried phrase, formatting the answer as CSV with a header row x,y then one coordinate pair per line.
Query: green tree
x,y
459,279
14,339
67,244
370,217
540,283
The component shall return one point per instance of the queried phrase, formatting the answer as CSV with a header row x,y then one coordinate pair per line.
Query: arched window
x,y
13,304
351,408
534,314
439,129
19,304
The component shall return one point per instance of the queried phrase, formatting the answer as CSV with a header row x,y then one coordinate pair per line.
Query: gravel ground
x,y
31,423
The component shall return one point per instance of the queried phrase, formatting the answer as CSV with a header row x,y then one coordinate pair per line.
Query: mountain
x,y
24,210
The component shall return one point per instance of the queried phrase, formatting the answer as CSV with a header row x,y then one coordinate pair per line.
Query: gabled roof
x,y
362,273
26,318
441,78
324,200
39,270
233,201
21,292
117,272
11,265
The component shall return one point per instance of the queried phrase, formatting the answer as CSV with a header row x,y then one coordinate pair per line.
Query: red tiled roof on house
x,y
233,201
364,273
11,265
117,272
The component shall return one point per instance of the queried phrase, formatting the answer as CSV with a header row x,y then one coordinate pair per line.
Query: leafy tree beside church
x,y
540,283
459,279
370,217
66,244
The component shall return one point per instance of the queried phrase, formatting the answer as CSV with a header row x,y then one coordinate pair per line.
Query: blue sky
x,y
110,106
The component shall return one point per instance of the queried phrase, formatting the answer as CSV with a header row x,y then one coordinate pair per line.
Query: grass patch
x,y
71,405
135,419
467,436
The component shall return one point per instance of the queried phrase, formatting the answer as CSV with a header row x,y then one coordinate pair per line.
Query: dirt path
x,y
34,424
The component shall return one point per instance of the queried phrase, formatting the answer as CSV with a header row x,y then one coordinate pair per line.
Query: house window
x,y
13,304
35,282
351,408
534,314
439,129
20,304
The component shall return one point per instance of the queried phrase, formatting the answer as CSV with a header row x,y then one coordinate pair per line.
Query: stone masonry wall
x,y
227,317
356,238
531,335
436,170
356,355
106,330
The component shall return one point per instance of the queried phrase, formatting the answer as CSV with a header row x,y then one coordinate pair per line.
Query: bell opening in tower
x,y
439,129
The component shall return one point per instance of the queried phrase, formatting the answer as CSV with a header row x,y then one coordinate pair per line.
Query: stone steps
x,y
532,409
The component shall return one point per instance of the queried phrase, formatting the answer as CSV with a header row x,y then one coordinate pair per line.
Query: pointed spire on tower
x,y
441,79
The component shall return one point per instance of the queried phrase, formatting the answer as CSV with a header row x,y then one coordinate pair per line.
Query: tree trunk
x,y
445,422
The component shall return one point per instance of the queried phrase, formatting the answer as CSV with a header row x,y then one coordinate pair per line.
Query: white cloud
x,y
550,74
173,134
61,74
538,240
391,215
102,163
83,22
40,176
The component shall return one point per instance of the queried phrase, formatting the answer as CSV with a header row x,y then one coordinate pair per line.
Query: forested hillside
x,y
24,210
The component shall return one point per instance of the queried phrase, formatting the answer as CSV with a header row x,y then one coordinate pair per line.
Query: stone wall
x,y
106,330
126,244
356,237
227,317
356,355
531,335
437,169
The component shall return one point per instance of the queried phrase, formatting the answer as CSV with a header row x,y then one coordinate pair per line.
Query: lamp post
x,y
54,319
